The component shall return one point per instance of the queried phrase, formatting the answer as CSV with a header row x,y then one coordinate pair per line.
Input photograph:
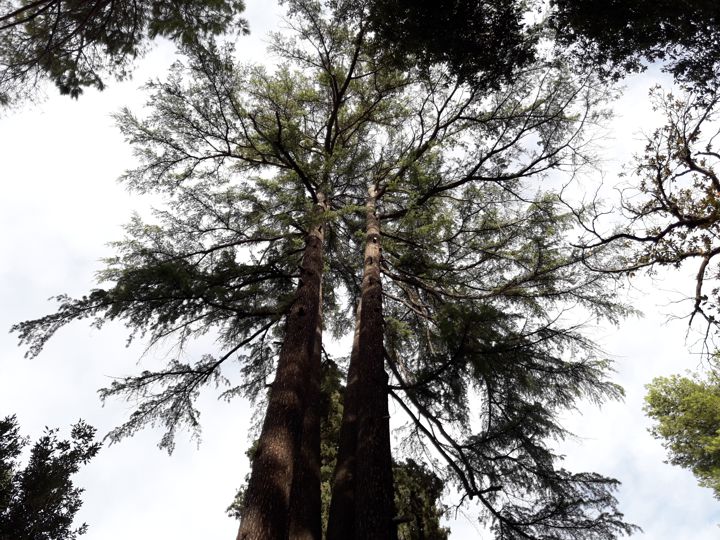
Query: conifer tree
x,y
76,44
463,272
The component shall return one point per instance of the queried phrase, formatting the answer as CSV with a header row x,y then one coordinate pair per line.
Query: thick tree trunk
x,y
266,515
371,484
305,498
341,519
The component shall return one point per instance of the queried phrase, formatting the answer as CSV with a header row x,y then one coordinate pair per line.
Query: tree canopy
x,y
610,37
687,415
487,41
76,44
39,501
624,35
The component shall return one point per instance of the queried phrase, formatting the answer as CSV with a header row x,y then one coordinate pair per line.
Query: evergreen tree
x,y
334,155
418,490
39,501
75,44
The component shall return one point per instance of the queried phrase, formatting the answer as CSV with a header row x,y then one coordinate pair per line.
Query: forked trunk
x,y
370,484
266,514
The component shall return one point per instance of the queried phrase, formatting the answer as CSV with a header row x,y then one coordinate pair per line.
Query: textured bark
x,y
341,519
266,515
305,498
367,508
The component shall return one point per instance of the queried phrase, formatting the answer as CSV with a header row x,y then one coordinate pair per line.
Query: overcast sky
x,y
61,204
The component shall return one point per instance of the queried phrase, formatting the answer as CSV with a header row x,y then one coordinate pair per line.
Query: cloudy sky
x,y
59,207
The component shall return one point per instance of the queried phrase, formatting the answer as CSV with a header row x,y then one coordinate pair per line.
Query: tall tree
x,y
418,161
76,44
40,499
418,490
687,415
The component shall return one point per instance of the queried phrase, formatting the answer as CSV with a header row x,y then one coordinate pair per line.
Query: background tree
x,y
76,44
621,36
611,37
672,217
687,415
485,41
40,500
418,493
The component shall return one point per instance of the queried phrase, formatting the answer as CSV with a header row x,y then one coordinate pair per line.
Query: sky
x,y
61,205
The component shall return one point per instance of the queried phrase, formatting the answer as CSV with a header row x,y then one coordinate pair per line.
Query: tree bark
x,y
366,507
266,515
341,519
305,498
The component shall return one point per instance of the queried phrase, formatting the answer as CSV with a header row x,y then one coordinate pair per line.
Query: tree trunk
x,y
305,498
370,483
266,514
341,519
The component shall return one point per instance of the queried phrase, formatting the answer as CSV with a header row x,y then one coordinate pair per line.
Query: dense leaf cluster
x,y
39,501
77,43
486,41
623,35
687,415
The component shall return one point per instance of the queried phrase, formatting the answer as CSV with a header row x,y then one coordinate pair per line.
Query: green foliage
x,y
478,273
331,397
75,43
687,415
485,41
417,499
622,35
486,362
39,501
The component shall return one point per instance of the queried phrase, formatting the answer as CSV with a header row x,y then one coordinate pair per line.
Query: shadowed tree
x,y
39,500
613,37
486,41
76,44
622,36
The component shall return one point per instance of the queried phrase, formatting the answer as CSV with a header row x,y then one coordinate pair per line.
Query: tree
x,y
687,415
486,41
672,217
339,156
40,500
619,36
75,44
417,489
612,37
